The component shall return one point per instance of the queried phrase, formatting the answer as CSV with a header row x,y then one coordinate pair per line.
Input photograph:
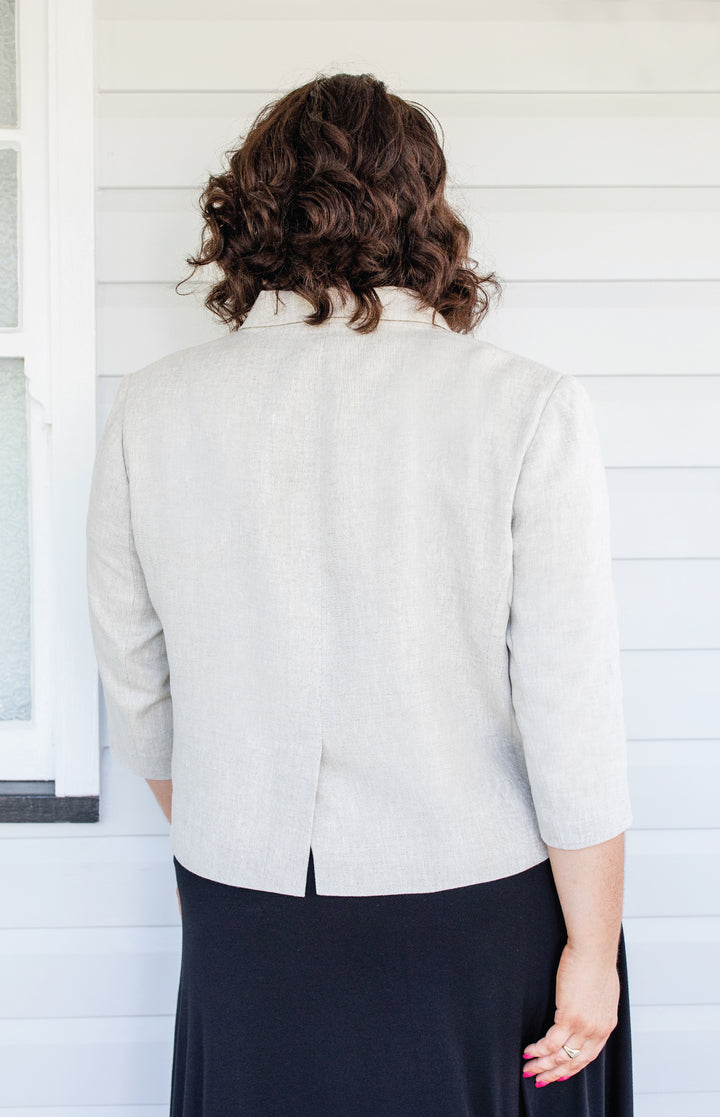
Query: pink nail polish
x,y
540,1083
563,1079
528,1073
528,1056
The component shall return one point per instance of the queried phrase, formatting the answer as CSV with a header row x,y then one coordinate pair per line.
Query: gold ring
x,y
571,1051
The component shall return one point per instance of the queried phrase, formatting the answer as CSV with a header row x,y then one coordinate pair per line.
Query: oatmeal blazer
x,y
354,591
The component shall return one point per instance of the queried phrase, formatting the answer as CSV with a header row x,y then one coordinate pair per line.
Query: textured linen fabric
x,y
355,591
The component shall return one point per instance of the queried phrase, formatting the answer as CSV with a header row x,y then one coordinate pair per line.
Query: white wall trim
x,y
72,279
56,339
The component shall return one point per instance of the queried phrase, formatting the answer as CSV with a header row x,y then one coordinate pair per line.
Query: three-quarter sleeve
x,y
127,634
562,632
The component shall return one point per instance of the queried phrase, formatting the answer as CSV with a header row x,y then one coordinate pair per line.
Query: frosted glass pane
x,y
8,76
14,545
8,237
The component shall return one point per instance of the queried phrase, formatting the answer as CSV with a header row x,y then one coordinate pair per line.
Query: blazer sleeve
x,y
127,634
562,632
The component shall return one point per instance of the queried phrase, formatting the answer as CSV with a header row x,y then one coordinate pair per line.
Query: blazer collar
x,y
280,307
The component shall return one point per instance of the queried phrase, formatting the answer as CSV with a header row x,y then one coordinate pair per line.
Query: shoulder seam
x,y
126,383
561,376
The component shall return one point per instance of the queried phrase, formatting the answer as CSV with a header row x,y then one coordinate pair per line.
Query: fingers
x,y
177,893
549,1061
587,992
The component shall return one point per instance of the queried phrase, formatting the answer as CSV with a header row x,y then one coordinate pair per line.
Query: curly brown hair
x,y
339,184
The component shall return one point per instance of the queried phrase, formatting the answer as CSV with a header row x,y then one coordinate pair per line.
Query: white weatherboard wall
x,y
583,143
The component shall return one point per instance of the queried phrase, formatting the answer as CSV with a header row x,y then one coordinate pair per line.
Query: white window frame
x,y
55,337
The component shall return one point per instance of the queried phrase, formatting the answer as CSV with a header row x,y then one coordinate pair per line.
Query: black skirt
x,y
412,1005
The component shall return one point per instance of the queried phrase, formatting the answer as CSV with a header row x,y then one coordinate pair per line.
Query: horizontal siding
x,y
674,1048
674,785
381,10
640,584
86,1111
668,872
82,971
673,960
671,694
666,513
90,1061
437,54
619,329
703,1104
88,882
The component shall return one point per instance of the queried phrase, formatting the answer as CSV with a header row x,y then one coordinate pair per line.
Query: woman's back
x,y
330,530
350,587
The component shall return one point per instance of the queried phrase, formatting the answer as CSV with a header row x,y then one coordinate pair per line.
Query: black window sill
x,y
36,801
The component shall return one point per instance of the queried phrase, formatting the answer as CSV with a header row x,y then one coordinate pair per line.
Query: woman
x,y
350,589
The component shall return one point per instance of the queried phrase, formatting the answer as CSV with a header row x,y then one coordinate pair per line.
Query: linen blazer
x,y
354,591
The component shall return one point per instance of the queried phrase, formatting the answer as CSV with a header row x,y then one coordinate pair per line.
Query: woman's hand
x,y
587,994
177,892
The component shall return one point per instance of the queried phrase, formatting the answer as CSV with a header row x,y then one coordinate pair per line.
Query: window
x,y
49,756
